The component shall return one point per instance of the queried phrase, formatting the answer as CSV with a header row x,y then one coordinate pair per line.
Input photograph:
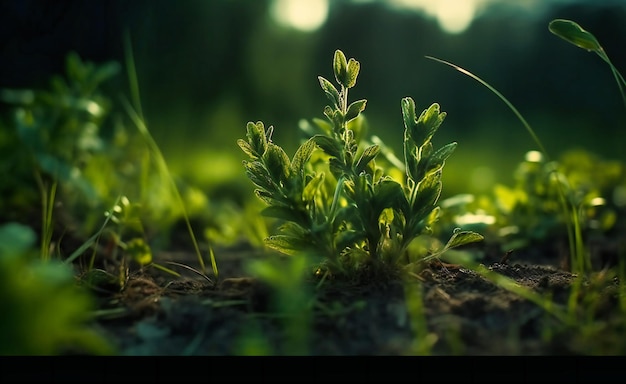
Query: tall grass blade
x,y
504,99
136,116
132,74
579,261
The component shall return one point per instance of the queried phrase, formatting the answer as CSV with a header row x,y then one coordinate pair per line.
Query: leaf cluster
x,y
530,211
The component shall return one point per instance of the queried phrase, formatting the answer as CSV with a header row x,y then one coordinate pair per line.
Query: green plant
x,y
44,311
57,133
337,203
82,156
530,210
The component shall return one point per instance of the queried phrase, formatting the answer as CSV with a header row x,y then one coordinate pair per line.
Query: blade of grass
x,y
579,262
132,74
504,99
191,269
93,239
47,195
136,116
164,269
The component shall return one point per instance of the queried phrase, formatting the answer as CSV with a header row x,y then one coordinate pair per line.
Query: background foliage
x,y
205,68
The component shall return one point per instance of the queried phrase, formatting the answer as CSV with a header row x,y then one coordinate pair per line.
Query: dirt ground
x,y
465,314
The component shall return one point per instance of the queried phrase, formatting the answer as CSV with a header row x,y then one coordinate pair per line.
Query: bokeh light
x,y
303,15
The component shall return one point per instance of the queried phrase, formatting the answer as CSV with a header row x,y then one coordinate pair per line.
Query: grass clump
x,y
335,201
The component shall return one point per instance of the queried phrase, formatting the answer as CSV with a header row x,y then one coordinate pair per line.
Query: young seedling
x,y
339,204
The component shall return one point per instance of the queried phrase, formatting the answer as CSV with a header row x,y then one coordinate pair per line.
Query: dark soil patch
x,y
465,314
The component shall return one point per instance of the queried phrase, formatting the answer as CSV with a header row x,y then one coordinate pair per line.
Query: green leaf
x,y
303,154
329,113
575,34
438,158
328,145
283,213
422,129
368,155
340,67
408,115
247,149
337,119
348,238
323,126
418,167
312,186
429,121
352,73
257,173
354,109
463,237
410,157
388,193
336,167
423,225
270,199
277,163
331,92
428,191
257,137
287,244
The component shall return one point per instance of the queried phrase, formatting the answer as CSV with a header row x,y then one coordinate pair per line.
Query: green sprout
x,y
333,198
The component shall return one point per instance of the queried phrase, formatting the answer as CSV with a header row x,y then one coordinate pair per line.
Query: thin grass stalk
x,y
48,195
616,74
94,238
577,254
136,115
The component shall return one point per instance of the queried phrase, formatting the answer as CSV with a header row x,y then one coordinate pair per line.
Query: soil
x,y
157,314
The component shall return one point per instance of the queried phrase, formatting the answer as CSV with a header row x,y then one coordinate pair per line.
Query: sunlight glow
x,y
534,157
303,15
453,16
474,218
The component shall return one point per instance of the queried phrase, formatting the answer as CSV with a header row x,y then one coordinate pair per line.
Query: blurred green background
x,y
207,67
